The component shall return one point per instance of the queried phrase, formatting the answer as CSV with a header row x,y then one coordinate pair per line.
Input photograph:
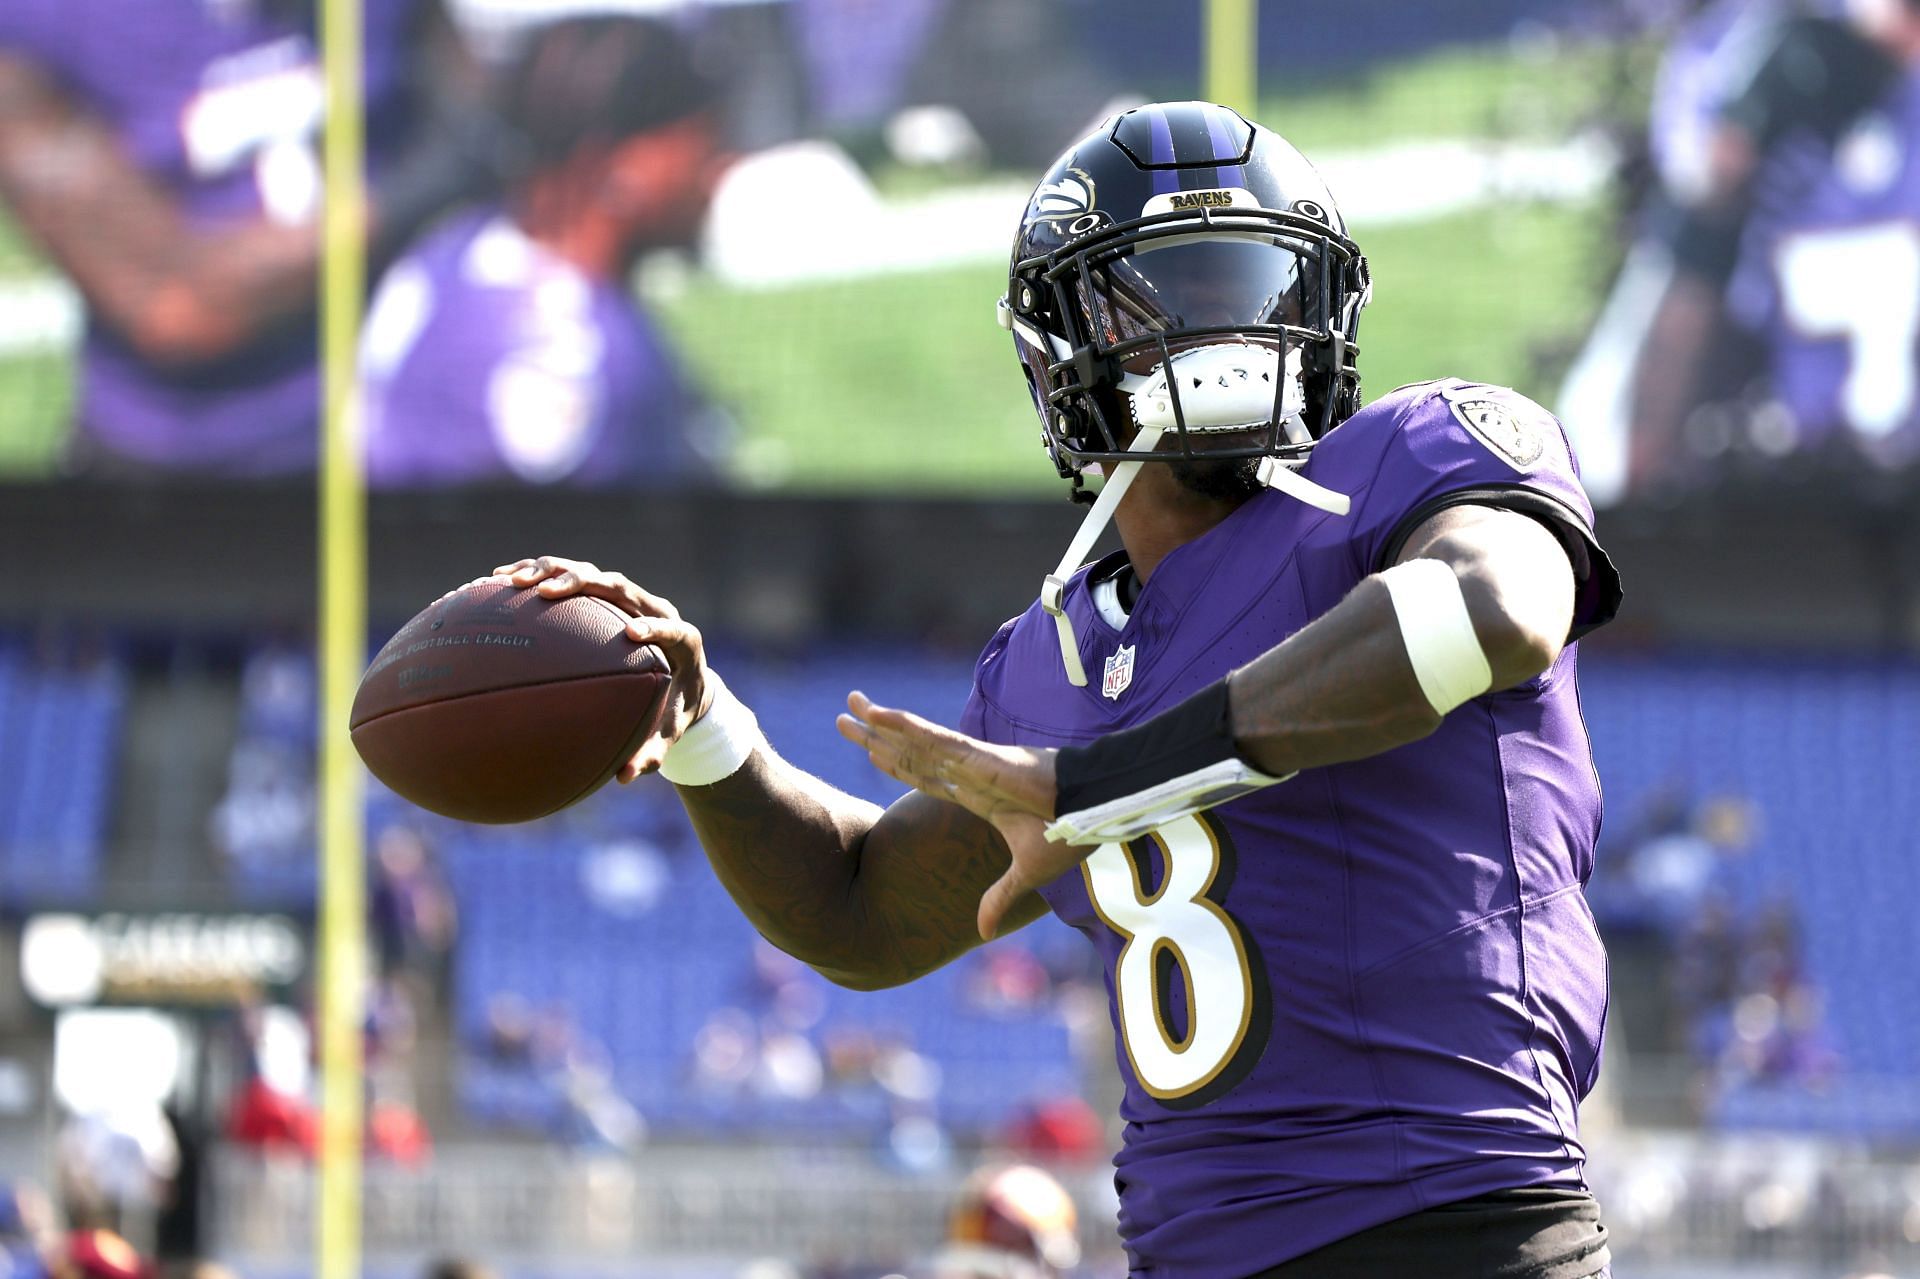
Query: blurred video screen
x,y
1638,213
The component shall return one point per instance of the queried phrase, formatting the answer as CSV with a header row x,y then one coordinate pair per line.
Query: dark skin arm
x,y
869,897
874,898
1689,323
179,295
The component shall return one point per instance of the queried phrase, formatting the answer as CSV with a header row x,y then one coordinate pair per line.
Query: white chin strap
x,y
1223,388
1053,591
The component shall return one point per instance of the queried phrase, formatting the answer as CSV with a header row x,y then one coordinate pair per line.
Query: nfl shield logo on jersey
x,y
1119,674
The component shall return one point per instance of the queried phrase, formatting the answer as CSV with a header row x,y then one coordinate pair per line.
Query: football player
x,y
165,156
1304,760
1807,183
507,343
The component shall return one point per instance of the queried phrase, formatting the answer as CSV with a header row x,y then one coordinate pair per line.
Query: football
x,y
495,704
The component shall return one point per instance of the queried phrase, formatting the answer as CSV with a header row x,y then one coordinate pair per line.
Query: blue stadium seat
x,y
59,743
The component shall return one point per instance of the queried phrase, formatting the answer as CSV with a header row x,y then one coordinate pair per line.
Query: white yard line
x,y
805,213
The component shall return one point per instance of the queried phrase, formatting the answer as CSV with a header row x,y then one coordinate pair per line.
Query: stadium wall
x,y
795,570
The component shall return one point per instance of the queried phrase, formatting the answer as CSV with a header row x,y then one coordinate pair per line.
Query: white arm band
x,y
1438,632
717,744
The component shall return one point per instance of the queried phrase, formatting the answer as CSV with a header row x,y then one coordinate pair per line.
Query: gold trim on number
x,y
1227,921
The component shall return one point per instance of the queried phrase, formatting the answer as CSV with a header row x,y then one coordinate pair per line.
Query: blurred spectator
x,y
1779,1040
26,1231
415,921
1010,1223
1707,961
783,992
264,823
1680,857
507,1039
848,1054
597,1116
1008,979
507,344
1754,1016
116,1162
457,1268
911,1079
568,1066
1059,1129
789,1068
916,1144
177,1232
264,1119
98,1254
725,1051
396,1133
266,817
171,172
625,877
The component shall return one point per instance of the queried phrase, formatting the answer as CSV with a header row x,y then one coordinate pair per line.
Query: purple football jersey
x,y
487,357
1830,281
1375,988
219,102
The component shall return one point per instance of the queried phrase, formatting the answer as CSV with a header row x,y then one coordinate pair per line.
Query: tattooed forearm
x,y
1340,689
1343,687
871,898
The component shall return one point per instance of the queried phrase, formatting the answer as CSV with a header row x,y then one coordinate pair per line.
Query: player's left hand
x,y
1012,787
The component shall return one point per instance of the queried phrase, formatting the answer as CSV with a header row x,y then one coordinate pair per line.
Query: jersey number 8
x,y
1192,1001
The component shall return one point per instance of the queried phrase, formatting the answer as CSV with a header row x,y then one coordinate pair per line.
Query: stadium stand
x,y
608,927
59,734
1816,747
603,927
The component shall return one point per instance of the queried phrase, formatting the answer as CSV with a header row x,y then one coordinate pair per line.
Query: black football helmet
x,y
1183,268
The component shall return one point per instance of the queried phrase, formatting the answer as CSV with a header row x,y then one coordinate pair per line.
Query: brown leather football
x,y
495,704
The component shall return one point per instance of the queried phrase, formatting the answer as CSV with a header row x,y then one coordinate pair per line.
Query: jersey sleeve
x,y
979,719
37,31
1465,444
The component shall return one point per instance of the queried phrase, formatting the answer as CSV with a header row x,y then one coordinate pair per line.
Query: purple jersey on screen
x,y
1831,283
1375,988
1706,60
219,103
489,358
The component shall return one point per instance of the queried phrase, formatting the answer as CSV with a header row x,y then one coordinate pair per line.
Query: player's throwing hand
x,y
654,621
1010,786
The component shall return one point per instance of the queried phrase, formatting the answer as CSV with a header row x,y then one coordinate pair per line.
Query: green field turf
x,y
36,388
1537,91
904,382
36,395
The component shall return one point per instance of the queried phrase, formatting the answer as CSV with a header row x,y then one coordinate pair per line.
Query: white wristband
x,y
717,744
1438,632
